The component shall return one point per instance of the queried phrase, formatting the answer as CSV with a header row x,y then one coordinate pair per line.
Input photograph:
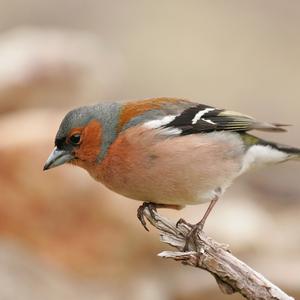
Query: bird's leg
x,y
140,212
193,234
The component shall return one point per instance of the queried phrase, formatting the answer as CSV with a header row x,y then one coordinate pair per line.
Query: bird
x,y
165,152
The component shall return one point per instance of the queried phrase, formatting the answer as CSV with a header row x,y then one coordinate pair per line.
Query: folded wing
x,y
203,118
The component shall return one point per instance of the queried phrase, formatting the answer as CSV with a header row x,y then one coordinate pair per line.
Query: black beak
x,y
57,158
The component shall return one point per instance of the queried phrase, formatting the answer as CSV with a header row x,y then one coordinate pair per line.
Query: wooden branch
x,y
231,274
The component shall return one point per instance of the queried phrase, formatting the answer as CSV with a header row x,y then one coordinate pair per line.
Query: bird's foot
x,y
141,212
182,221
192,236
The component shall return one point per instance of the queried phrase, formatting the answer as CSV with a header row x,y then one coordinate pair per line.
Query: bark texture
x,y
231,274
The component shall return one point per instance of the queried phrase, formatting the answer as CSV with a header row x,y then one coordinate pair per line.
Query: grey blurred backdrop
x,y
63,235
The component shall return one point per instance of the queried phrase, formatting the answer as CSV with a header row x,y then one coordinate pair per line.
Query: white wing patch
x,y
161,122
170,131
154,124
209,121
200,114
259,155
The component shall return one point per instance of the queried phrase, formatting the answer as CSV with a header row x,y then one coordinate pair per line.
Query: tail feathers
x,y
275,127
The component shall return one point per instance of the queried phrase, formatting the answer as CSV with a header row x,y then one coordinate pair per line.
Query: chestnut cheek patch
x,y
91,142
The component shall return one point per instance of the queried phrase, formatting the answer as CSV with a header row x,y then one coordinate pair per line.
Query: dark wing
x,y
203,118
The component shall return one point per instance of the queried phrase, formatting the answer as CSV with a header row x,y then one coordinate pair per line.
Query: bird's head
x,y
78,139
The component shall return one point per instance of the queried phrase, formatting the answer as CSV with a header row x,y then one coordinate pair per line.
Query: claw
x,y
141,217
140,213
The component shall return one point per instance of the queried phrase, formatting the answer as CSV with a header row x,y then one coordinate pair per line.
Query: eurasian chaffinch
x,y
165,152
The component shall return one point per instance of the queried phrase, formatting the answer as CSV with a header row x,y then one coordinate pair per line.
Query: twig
x,y
231,274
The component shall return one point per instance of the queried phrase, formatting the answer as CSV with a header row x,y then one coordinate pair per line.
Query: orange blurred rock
x,y
63,215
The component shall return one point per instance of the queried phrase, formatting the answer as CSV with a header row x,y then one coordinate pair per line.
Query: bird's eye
x,y
75,139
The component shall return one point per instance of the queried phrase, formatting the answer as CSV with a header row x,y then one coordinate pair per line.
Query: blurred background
x,y
62,235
